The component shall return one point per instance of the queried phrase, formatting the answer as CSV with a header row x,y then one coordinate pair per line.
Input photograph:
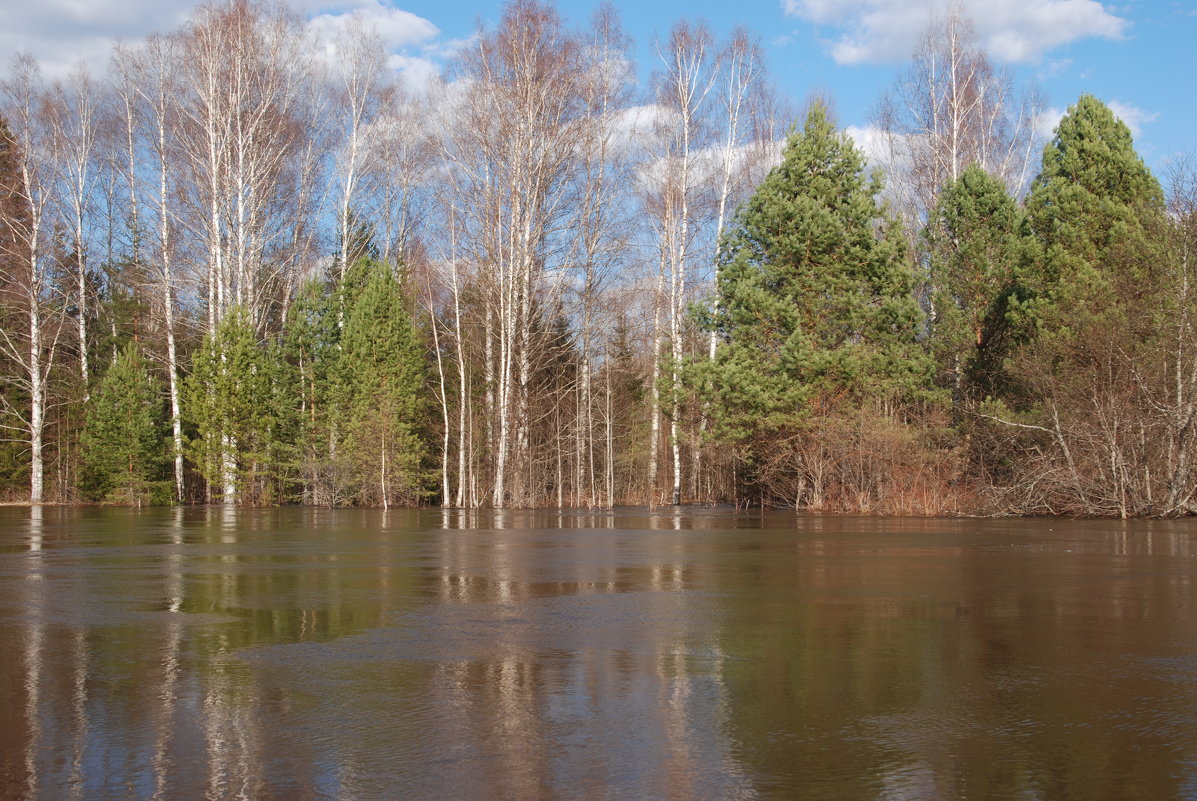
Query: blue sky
x,y
1138,55
1141,56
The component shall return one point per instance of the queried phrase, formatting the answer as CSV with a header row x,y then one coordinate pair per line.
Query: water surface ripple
x,y
685,654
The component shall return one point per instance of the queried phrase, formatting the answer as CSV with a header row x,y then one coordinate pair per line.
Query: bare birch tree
x,y
952,108
359,73
399,160
148,89
599,217
245,73
32,342
1177,403
512,142
72,117
245,134
684,86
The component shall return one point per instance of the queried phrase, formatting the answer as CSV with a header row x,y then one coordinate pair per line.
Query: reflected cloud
x,y
678,654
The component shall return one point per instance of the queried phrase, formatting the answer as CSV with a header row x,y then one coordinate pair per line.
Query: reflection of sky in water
x,y
597,692
213,653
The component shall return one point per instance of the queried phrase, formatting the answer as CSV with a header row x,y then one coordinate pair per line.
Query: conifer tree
x,y
1085,313
310,349
14,397
814,297
815,313
974,241
382,379
1094,210
275,468
123,445
233,408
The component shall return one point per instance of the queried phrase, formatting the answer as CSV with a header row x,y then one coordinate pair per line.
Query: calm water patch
x,y
696,654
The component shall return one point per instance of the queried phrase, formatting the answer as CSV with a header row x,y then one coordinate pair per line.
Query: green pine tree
x,y
382,378
815,313
1095,211
311,349
814,300
974,239
236,411
123,445
1073,421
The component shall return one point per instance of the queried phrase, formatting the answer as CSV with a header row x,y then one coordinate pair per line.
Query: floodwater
x,y
306,654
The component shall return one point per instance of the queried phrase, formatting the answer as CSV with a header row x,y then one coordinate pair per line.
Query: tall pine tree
x,y
311,350
238,404
1084,309
815,314
383,378
123,442
1095,211
974,239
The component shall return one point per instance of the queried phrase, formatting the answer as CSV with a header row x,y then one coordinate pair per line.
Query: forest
x,y
243,266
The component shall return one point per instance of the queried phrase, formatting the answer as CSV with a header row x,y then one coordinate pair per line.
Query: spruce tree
x,y
311,349
382,379
15,463
123,445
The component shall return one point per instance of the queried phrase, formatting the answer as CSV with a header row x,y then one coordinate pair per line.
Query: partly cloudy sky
x,y
1137,55
883,31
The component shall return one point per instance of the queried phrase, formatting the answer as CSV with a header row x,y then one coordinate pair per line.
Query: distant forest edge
x,y
238,267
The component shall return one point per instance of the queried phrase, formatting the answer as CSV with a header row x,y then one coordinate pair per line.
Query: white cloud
x,y
1134,117
416,72
397,28
1046,122
872,143
640,126
399,32
62,33
872,31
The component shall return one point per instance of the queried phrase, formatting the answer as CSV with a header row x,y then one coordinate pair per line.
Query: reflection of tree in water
x,y
868,668
303,653
130,683
574,665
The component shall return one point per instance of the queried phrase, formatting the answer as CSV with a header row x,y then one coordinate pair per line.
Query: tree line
x,y
243,266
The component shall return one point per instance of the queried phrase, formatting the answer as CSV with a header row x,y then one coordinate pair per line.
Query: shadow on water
x,y
678,653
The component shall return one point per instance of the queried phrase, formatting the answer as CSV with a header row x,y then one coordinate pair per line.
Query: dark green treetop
x,y
814,300
1093,209
383,376
975,240
123,445
234,401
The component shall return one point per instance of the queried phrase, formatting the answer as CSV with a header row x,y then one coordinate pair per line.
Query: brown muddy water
x,y
303,654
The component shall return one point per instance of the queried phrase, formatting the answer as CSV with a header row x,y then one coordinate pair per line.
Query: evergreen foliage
x,y
1060,326
816,318
975,239
382,379
123,443
1094,211
1098,252
311,349
1089,356
815,301
238,406
14,219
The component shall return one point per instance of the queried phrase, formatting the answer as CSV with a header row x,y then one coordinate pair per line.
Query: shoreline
x,y
729,508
